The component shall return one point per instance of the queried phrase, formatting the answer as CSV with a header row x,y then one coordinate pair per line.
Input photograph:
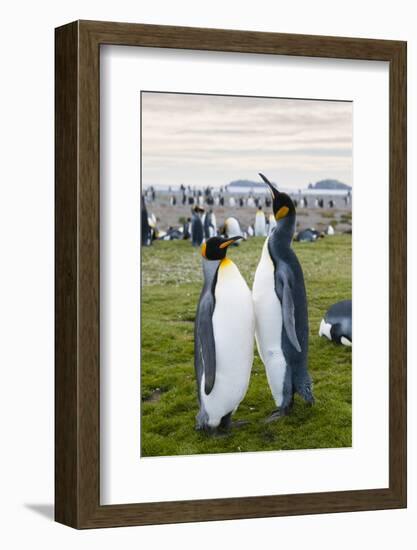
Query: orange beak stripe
x,y
203,250
227,243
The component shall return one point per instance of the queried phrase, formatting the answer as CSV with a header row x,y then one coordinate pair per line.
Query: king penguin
x,y
272,223
231,228
336,325
223,338
260,223
197,230
146,234
280,305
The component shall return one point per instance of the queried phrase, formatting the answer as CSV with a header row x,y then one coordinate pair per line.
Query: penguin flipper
x,y
288,310
206,344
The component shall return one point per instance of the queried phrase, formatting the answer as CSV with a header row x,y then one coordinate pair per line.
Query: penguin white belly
x,y
260,230
233,327
324,329
268,328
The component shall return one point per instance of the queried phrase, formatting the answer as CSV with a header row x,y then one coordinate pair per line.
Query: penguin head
x,y
282,204
215,248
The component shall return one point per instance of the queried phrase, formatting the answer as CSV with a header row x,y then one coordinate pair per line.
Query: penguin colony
x,y
229,316
204,222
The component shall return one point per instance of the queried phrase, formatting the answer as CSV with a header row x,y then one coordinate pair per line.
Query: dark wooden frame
x,y
77,274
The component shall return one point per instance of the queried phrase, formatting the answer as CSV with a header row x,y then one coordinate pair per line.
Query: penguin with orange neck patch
x,y
223,338
280,305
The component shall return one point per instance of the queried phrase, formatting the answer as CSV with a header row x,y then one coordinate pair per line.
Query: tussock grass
x,y
171,284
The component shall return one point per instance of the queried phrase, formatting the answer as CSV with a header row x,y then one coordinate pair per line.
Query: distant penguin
x,y
251,202
146,234
209,226
186,232
280,304
260,223
232,228
250,231
173,234
197,230
223,338
336,325
307,235
213,224
330,230
272,223
152,224
232,202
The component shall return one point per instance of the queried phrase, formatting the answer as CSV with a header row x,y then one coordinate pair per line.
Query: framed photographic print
x,y
230,274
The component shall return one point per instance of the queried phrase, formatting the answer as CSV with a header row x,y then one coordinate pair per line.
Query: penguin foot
x,y
277,414
218,434
308,397
215,432
239,423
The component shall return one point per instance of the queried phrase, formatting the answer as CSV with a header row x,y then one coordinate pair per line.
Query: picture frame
x,y
77,271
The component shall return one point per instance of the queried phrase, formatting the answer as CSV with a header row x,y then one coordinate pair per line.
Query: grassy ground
x,y
171,284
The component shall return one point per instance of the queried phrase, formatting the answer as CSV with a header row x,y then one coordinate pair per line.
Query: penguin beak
x,y
229,242
272,188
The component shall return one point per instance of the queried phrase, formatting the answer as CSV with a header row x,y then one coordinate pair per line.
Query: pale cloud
x,y
212,140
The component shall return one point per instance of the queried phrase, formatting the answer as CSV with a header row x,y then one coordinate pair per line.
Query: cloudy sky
x,y
213,140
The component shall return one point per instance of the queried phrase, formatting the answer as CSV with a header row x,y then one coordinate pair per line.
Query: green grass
x,y
171,284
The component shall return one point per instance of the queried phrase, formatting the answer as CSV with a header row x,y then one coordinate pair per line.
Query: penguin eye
x,y
282,212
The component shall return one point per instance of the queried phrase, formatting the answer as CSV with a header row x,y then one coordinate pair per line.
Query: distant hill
x,y
330,184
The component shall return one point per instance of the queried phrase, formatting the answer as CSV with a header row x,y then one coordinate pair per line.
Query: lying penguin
x,y
336,325
280,305
223,338
231,228
308,235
